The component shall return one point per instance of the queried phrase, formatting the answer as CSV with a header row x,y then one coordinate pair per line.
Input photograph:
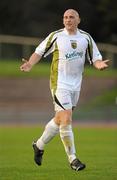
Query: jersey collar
x,y
66,32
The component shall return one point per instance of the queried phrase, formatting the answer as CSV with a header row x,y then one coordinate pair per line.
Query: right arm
x,y
28,64
45,46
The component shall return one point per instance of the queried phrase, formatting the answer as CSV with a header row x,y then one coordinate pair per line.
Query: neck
x,y
72,32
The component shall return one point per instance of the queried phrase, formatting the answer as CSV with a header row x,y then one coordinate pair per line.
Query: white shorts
x,y
65,99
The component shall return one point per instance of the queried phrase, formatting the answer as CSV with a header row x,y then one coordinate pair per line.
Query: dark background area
x,y
37,18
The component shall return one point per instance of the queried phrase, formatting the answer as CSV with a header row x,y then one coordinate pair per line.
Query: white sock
x,y
67,138
50,131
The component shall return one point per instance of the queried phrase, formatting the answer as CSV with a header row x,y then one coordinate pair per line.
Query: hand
x,y
26,67
101,65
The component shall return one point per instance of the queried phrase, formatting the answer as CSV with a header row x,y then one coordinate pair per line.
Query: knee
x,y
64,117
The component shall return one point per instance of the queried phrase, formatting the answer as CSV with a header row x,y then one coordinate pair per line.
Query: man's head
x,y
71,20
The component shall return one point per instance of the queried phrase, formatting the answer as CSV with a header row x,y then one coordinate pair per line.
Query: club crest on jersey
x,y
73,44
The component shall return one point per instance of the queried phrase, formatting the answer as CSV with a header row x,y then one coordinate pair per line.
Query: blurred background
x,y
26,98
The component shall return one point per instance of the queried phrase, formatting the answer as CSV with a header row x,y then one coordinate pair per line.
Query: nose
x,y
68,19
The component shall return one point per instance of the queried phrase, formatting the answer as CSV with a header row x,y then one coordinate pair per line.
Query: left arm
x,y
95,55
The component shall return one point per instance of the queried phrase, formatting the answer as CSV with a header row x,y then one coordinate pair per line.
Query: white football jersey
x,y
69,53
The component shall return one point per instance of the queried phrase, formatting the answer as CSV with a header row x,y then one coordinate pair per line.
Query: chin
x,y
69,28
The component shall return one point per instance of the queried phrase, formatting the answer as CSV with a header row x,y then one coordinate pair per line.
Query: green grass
x,y
12,69
9,68
92,72
95,146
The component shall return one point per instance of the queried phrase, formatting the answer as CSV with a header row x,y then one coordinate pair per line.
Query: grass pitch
x,y
97,147
10,68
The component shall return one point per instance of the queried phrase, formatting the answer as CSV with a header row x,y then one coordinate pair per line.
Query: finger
x,y
106,61
21,68
24,60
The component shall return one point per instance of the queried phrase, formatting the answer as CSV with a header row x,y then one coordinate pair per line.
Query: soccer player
x,y
69,47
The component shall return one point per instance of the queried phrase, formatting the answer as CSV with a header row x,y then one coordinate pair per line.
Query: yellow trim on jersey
x,y
49,41
54,69
54,65
50,38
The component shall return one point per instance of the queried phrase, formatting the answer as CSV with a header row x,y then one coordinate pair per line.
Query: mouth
x,y
68,24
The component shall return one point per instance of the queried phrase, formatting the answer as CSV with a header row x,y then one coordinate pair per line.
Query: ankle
x,y
71,157
40,144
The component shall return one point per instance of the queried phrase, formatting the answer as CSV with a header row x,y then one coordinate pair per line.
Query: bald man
x,y
69,47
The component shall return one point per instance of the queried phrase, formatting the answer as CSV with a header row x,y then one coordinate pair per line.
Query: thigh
x,y
62,100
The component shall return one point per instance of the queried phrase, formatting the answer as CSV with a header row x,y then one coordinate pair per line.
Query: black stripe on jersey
x,y
90,56
57,101
88,48
49,46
